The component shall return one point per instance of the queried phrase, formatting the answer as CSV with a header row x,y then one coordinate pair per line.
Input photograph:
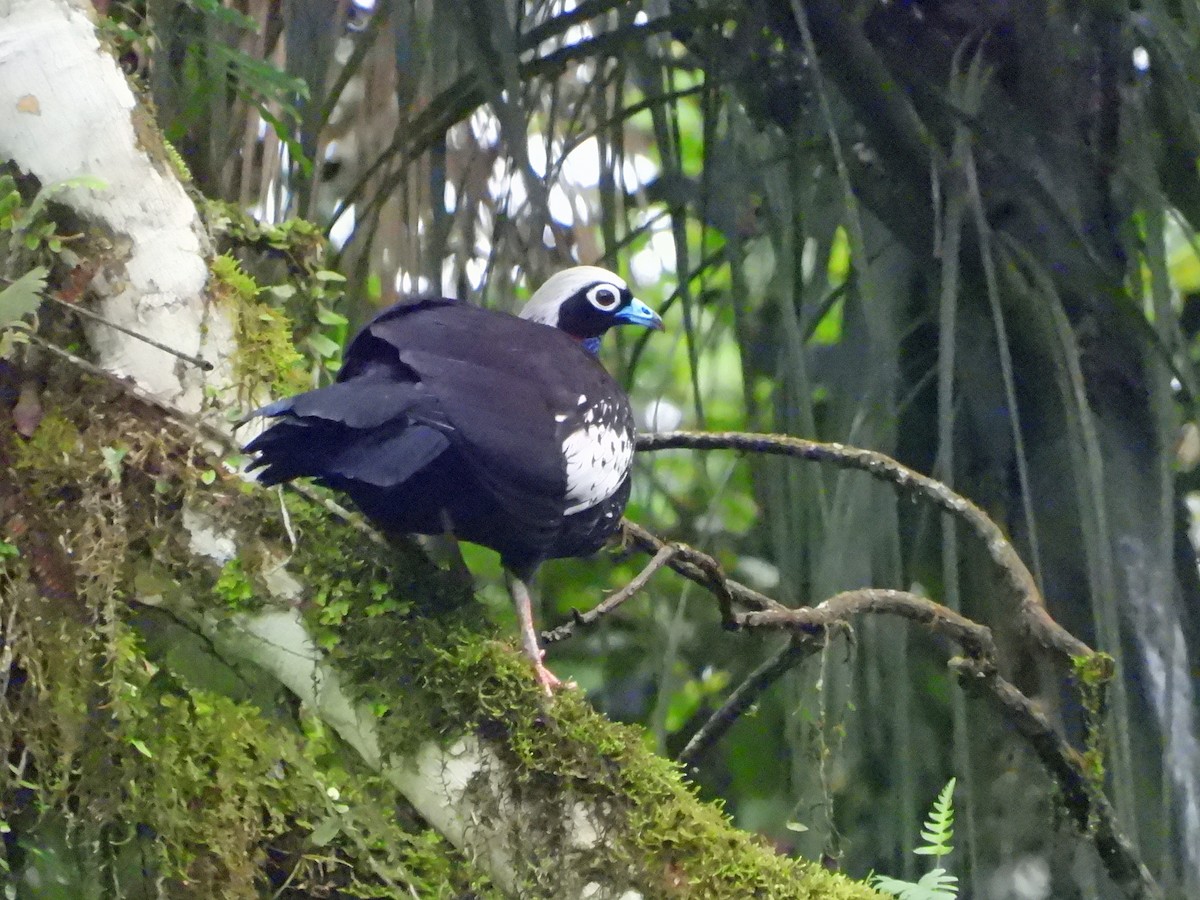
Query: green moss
x,y
299,240
178,165
131,770
266,355
288,263
1094,671
1093,674
51,447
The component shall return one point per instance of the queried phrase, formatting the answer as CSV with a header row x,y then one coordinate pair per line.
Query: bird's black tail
x,y
292,448
364,431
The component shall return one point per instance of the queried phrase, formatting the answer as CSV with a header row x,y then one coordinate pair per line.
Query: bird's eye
x,y
604,297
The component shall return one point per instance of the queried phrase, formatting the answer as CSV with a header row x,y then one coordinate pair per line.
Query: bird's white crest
x,y
543,305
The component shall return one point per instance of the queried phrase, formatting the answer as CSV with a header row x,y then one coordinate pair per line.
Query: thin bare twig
x,y
714,572
198,428
203,364
746,695
686,565
664,555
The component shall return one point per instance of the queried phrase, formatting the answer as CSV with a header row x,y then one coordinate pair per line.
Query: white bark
x,y
66,110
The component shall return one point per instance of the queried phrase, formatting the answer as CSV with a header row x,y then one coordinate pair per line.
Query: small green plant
x,y
937,883
30,238
19,299
234,587
31,227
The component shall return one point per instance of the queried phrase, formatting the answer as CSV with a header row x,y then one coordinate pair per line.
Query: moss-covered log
x,y
152,610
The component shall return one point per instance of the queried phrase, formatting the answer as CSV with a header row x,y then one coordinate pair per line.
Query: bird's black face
x,y
594,309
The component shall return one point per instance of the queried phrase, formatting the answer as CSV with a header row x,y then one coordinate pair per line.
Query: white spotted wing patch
x,y
598,458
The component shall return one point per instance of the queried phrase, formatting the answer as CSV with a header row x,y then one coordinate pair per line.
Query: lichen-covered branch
x,y
1012,568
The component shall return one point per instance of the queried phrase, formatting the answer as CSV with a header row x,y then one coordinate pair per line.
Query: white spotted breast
x,y
598,456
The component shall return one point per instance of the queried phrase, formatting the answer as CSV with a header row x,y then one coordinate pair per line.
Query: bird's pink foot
x,y
548,680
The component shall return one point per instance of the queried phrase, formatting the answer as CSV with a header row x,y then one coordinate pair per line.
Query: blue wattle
x,y
591,345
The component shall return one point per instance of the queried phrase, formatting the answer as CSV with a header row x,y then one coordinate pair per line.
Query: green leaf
x,y
23,296
935,884
325,832
328,275
939,827
138,745
328,317
322,345
46,193
9,203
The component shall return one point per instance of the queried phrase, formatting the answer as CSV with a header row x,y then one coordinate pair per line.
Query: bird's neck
x,y
591,345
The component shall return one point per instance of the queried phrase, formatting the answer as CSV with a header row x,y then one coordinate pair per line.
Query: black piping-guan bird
x,y
500,430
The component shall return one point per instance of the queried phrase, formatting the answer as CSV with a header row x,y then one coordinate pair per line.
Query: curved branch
x,y
1088,807
975,639
1017,576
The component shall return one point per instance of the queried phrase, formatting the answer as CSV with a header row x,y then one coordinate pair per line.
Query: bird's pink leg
x,y
529,642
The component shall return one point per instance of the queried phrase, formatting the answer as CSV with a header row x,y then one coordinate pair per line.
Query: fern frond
x,y
935,884
940,884
939,827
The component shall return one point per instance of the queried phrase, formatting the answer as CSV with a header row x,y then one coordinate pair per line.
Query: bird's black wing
x,y
501,382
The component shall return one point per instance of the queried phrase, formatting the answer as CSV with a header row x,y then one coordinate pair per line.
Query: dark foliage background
x,y
957,232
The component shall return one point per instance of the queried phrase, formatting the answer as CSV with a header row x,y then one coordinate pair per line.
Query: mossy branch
x,y
548,797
